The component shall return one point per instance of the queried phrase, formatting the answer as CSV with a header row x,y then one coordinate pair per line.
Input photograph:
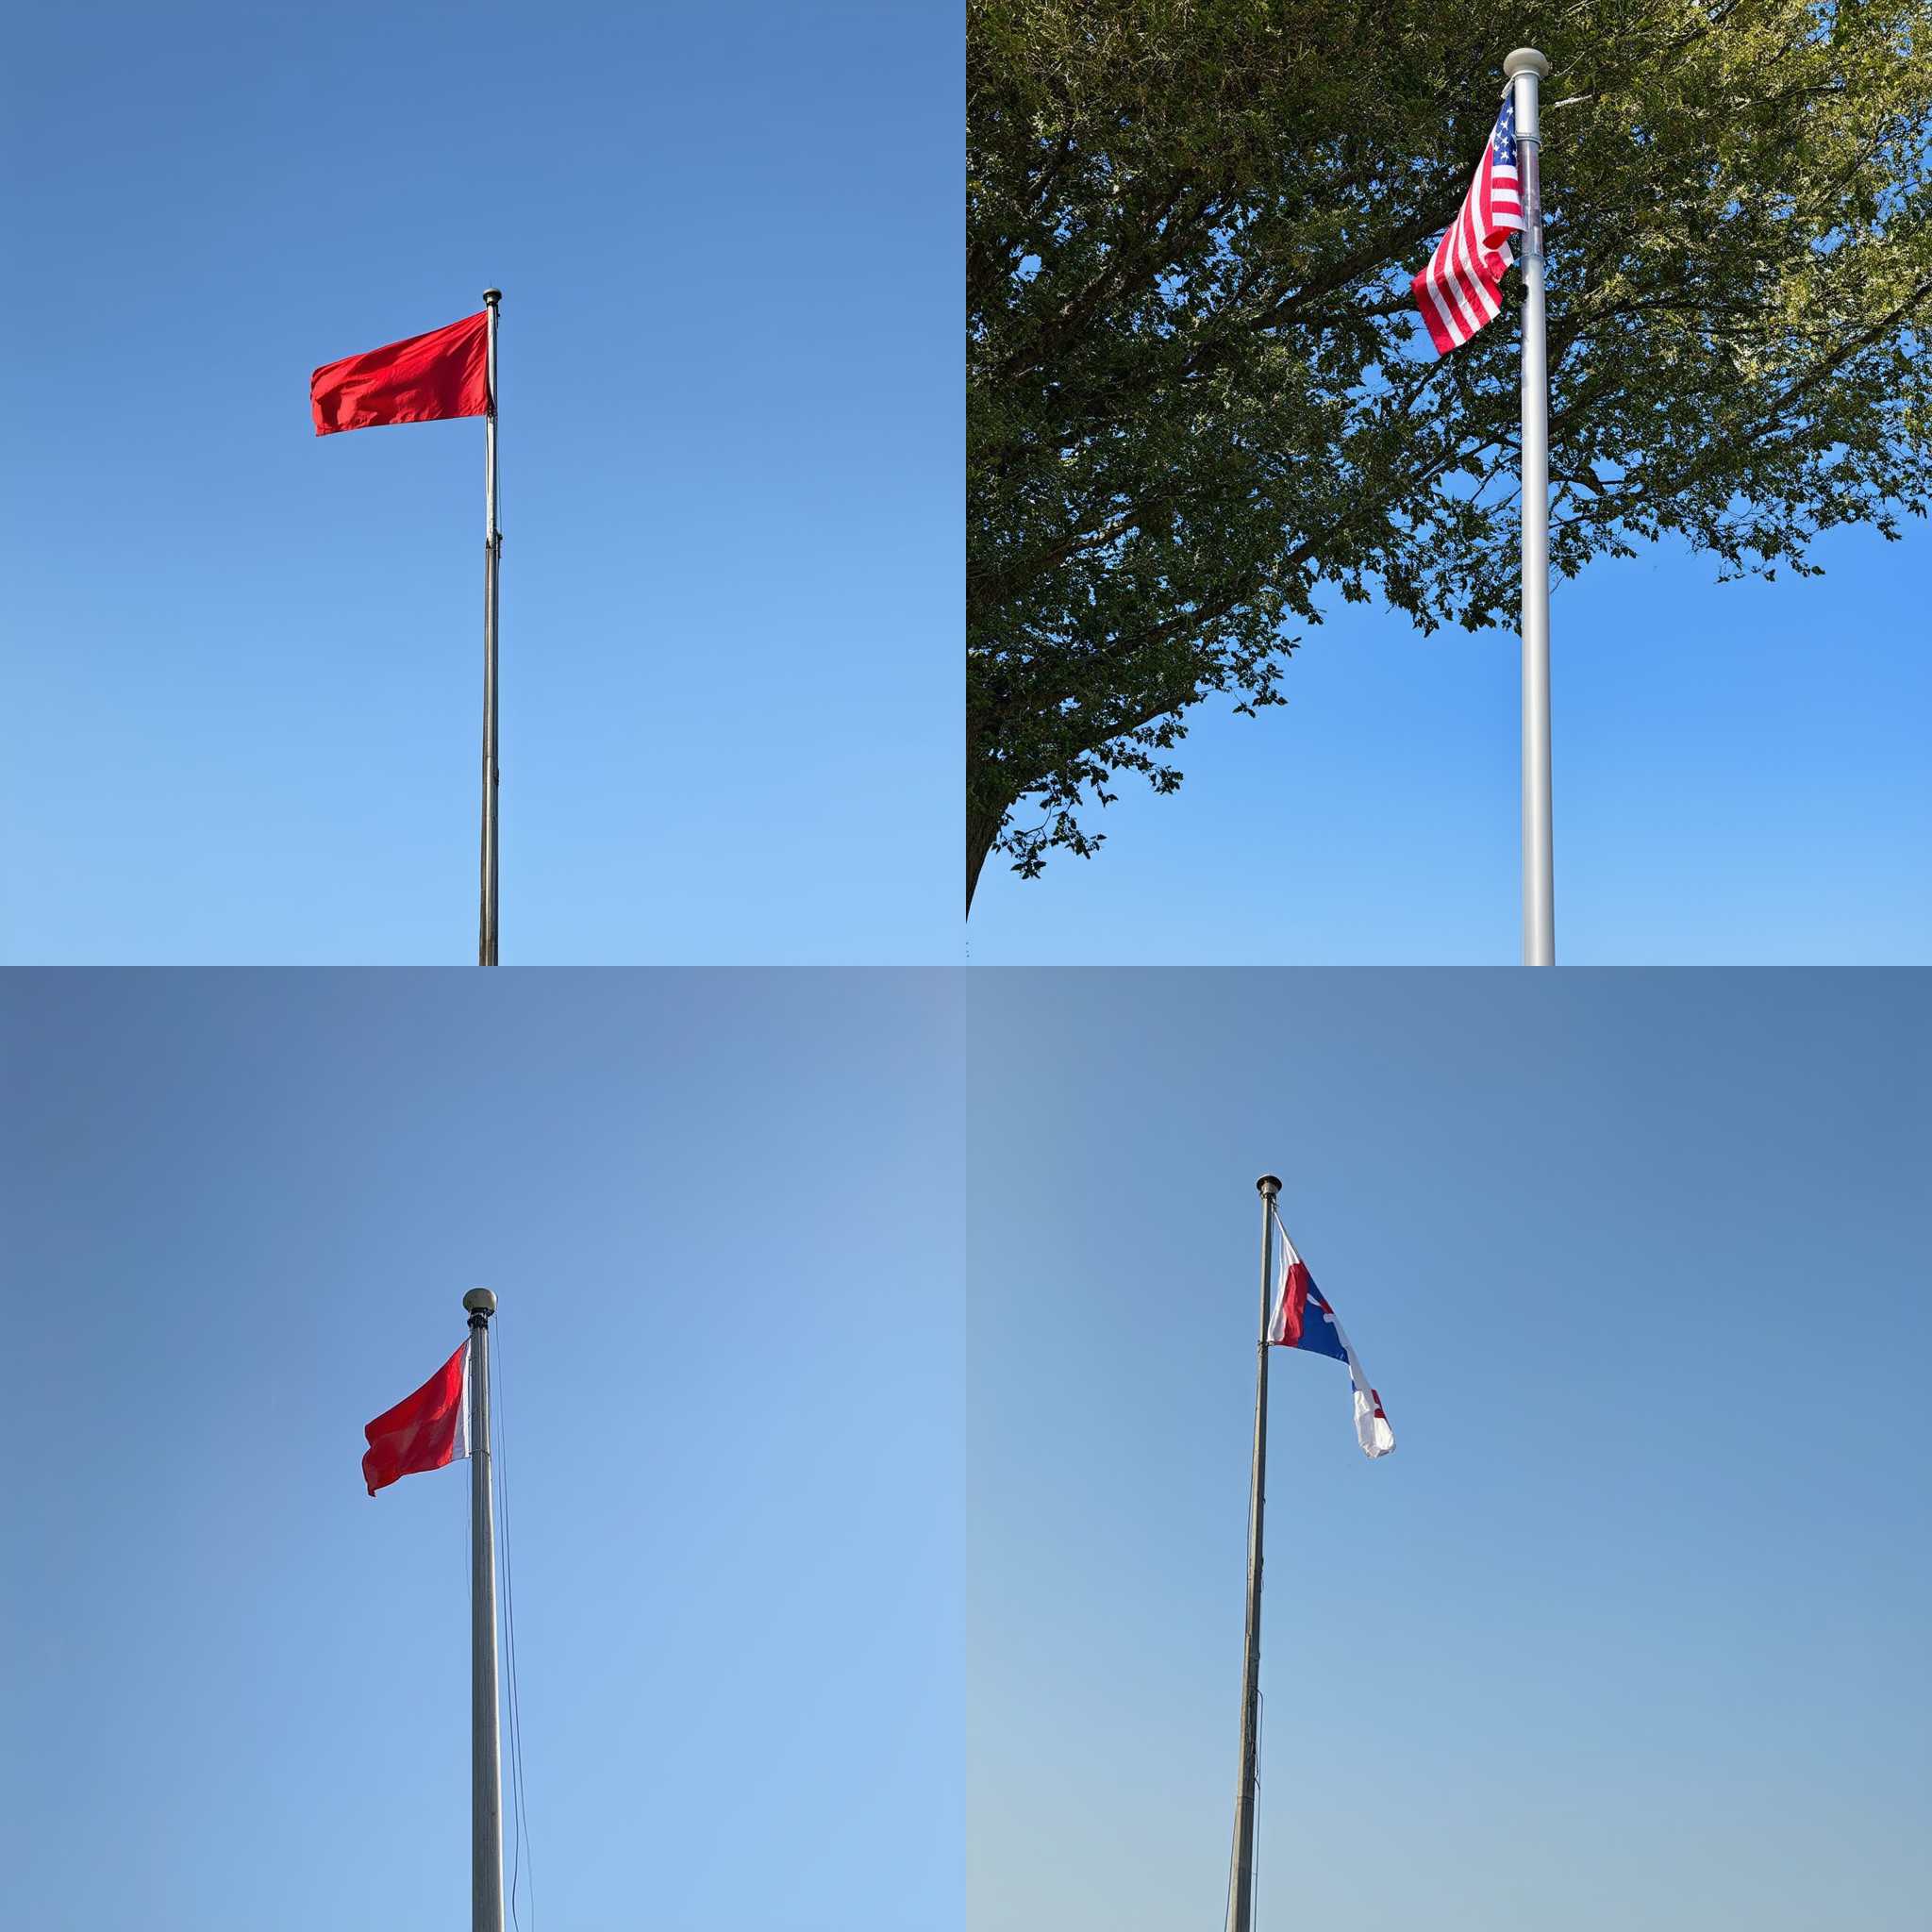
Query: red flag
x,y
423,379
426,1430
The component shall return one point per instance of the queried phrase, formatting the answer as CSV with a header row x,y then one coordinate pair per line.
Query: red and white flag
x,y
427,1430
1303,1319
420,379
1457,292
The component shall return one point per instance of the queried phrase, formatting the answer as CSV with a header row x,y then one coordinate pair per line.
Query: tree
x,y
1198,398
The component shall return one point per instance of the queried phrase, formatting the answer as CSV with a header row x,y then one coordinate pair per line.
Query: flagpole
x,y
492,554
1268,1186
1526,70
486,1758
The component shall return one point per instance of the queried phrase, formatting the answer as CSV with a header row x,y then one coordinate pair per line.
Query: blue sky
x,y
1741,778
241,1212
1630,1629
241,666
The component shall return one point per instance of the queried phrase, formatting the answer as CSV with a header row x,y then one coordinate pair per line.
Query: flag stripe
x,y
1459,290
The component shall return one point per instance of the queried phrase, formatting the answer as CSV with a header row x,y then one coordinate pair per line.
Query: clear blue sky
x,y
1630,1630
1740,779
241,666
722,1214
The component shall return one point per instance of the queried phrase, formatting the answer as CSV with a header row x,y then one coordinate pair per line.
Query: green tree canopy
x,y
1198,395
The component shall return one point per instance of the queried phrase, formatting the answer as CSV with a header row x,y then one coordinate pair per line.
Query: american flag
x,y
1457,293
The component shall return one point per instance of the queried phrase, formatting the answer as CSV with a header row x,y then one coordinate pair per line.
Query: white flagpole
x,y
1526,70
492,554
485,1757
1246,1793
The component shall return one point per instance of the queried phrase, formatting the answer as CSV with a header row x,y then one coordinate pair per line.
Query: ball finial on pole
x,y
1268,1186
1525,60
479,1301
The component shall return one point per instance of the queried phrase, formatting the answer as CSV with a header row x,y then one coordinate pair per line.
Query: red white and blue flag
x,y
1303,1319
1457,292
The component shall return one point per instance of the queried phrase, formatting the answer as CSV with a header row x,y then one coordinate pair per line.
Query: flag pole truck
x,y
486,1756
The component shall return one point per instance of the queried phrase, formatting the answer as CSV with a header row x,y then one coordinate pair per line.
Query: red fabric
x,y
421,1432
446,372
1293,1306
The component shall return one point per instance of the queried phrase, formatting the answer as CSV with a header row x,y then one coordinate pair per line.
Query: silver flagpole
x,y
1251,1661
1526,70
492,554
486,1758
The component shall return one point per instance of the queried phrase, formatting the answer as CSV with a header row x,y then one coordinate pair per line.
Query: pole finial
x,y
492,296
1268,1185
479,1301
1525,60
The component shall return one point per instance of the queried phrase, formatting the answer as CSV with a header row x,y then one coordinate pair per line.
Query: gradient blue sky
x,y
722,1214
1741,778
241,666
1630,1630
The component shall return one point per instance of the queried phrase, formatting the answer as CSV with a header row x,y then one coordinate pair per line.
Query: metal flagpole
x,y
485,1757
1250,1663
1526,70
492,554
